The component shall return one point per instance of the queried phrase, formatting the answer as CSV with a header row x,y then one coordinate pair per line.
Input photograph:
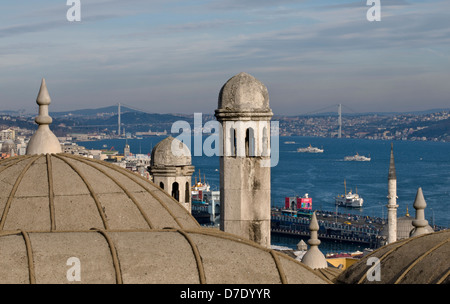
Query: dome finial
x,y
314,258
420,222
43,141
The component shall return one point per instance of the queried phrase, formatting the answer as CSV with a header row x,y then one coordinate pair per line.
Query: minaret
x,y
244,114
392,200
420,223
43,140
314,258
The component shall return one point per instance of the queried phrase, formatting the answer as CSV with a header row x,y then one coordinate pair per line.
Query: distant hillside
x,y
436,129
93,112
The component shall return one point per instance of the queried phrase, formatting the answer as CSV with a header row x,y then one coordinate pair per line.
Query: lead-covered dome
x,y
244,92
8,146
171,152
169,256
418,260
64,192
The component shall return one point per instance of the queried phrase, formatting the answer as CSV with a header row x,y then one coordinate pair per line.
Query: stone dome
x,y
121,227
63,192
404,227
418,260
166,256
8,146
171,152
244,92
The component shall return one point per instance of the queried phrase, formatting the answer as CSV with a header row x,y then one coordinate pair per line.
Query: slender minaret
x,y
392,200
314,258
420,223
43,140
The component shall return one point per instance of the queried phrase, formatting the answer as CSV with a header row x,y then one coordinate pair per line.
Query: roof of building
x,y
171,152
416,260
60,192
166,256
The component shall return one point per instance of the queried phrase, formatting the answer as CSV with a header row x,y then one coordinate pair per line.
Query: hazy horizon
x,y
173,56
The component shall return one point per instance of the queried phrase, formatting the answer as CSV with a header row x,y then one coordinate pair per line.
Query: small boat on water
x,y
357,157
349,199
310,149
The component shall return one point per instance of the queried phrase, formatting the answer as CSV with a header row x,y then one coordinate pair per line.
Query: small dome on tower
x,y
244,92
171,152
7,146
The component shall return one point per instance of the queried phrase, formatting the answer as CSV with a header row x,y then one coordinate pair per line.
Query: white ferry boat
x,y
349,199
310,149
357,157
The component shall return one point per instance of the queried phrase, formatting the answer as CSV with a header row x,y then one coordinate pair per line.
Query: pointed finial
x,y
407,212
392,174
43,141
420,222
314,258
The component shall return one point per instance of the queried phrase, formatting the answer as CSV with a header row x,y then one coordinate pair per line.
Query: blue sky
x,y
173,56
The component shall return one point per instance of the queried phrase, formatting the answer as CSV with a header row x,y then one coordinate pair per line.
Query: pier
x,y
333,227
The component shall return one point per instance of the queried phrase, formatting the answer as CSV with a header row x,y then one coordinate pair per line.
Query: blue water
x,y
418,164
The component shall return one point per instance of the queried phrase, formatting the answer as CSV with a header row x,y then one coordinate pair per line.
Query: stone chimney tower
x,y
245,115
392,200
171,169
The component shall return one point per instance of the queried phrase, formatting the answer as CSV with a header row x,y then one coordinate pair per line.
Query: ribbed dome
x,y
62,192
244,92
159,256
417,260
171,152
404,228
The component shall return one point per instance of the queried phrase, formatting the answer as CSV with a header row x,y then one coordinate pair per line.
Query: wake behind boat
x,y
310,149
